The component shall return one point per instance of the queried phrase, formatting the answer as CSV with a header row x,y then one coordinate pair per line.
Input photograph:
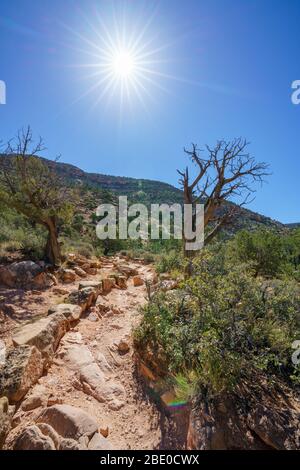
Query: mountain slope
x,y
148,191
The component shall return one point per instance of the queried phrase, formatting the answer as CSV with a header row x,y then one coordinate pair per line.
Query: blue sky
x,y
222,69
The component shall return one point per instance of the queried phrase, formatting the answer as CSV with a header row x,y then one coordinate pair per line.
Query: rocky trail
x,y
91,368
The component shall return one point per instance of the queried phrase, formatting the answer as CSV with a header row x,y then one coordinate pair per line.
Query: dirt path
x,y
94,370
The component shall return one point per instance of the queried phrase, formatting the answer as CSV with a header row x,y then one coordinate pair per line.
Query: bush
x,y
169,262
223,321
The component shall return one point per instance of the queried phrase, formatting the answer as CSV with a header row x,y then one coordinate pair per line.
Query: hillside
x,y
149,191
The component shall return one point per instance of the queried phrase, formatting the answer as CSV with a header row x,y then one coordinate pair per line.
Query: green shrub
x,y
222,322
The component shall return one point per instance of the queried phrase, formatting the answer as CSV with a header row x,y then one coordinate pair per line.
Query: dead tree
x,y
223,172
31,188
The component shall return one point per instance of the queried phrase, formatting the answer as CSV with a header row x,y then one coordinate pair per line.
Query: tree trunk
x,y
52,250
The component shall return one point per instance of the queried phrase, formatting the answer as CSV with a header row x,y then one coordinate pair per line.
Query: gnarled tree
x,y
224,172
31,188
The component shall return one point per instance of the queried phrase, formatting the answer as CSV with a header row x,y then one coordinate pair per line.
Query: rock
x,y
95,264
68,444
96,384
127,270
49,431
4,405
79,271
67,275
54,400
85,298
108,284
76,356
137,281
45,334
22,369
60,291
123,346
104,431
102,307
69,421
98,442
96,285
70,311
38,397
32,438
104,366
254,416
88,269
93,317
23,274
5,420
122,282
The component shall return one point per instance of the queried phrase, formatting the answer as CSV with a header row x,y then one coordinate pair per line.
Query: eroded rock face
x,y
253,417
22,369
45,334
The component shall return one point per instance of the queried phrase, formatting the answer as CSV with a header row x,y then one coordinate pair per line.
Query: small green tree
x,y
264,248
29,186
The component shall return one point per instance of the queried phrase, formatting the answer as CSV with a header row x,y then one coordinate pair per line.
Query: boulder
x,y
22,369
122,282
79,271
75,356
85,298
69,421
137,281
60,291
70,311
38,397
127,270
97,285
107,284
32,438
95,383
45,334
67,275
23,274
68,444
95,264
123,346
89,269
98,442
49,431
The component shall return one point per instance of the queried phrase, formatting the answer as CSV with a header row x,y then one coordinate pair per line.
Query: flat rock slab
x,y
45,334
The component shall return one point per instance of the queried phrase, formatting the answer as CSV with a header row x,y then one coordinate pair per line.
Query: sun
x,y
123,64
125,60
